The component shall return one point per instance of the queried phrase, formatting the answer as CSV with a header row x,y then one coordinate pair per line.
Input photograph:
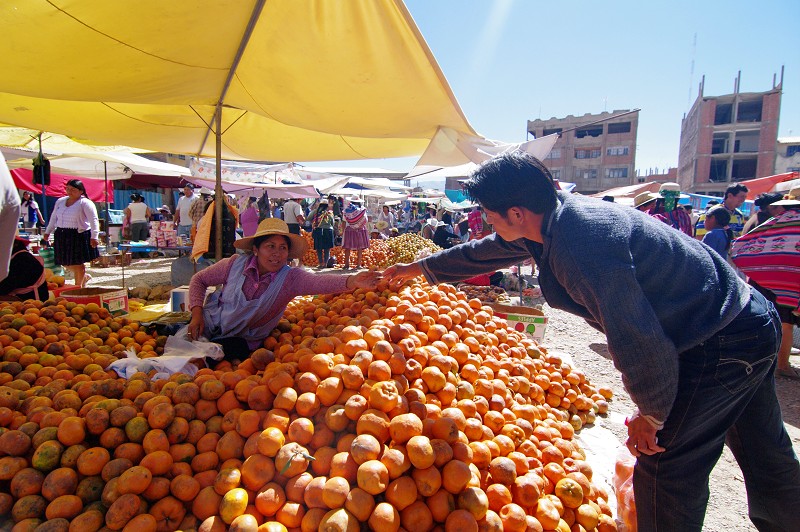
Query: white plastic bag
x,y
179,352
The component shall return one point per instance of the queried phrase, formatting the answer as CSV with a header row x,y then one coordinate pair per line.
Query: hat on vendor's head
x,y
644,198
275,226
164,208
672,187
206,191
792,199
355,199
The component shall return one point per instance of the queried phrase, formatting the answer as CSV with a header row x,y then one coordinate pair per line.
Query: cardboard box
x,y
179,299
115,300
531,321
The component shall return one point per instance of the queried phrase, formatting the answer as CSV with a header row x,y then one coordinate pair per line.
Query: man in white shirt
x,y
293,216
9,216
183,221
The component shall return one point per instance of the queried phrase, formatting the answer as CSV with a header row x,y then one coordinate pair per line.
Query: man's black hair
x,y
733,190
512,180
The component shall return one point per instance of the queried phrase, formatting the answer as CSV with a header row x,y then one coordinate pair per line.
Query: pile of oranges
x,y
380,253
415,408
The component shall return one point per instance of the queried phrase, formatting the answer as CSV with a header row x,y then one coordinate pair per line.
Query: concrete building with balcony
x,y
595,151
787,158
729,138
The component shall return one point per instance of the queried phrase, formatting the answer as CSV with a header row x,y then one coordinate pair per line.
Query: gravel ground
x,y
727,509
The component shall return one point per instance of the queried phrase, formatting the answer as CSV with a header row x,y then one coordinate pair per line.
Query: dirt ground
x,y
727,508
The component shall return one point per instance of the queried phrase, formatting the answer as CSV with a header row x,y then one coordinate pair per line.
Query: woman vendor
x,y
256,287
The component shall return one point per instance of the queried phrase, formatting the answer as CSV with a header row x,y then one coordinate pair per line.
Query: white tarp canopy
x,y
451,148
242,188
241,172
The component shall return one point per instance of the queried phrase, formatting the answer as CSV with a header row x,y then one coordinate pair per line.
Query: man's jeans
x,y
726,394
185,230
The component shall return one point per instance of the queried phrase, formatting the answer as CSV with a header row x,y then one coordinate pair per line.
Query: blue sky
x,y
508,61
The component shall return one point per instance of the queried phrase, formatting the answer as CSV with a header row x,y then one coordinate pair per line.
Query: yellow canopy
x,y
298,79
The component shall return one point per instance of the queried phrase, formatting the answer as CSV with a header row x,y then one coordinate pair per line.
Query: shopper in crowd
x,y
199,207
385,221
293,216
256,287
443,236
322,232
166,213
668,210
26,279
205,241
75,230
735,196
138,215
356,235
31,215
718,236
645,201
770,256
277,210
248,218
476,226
766,210
183,220
697,352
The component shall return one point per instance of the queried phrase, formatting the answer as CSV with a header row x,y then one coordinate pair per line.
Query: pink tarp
x,y
95,189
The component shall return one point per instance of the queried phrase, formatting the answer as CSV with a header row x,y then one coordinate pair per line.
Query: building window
x,y
555,153
621,127
718,171
723,113
617,172
749,111
617,150
588,153
586,173
744,168
589,131
746,142
556,173
720,143
551,131
791,150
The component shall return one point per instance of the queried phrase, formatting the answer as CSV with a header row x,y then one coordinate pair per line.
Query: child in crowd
x,y
718,236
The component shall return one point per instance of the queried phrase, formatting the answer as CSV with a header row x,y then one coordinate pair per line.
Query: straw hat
x,y
206,191
792,199
275,226
645,197
355,199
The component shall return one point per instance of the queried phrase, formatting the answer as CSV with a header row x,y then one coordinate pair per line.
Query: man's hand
x,y
367,280
642,436
397,274
93,242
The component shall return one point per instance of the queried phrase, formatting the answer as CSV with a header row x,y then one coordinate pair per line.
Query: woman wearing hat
x,y
667,212
356,234
322,232
256,287
76,227
770,256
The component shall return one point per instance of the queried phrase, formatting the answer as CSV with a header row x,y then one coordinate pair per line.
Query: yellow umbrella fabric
x,y
298,79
